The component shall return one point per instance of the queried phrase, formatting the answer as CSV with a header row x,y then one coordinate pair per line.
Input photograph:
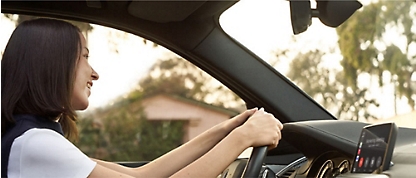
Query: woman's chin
x,y
81,106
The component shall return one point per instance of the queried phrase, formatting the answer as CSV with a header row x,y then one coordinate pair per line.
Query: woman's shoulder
x,y
40,135
41,132
41,139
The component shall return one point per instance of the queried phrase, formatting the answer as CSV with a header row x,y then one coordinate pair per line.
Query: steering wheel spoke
x,y
255,162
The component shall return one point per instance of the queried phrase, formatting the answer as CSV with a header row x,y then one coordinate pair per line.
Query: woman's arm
x,y
260,129
182,156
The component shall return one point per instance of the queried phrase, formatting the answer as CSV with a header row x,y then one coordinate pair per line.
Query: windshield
x,y
363,70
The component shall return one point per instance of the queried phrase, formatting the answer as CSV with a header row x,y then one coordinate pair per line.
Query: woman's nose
x,y
94,74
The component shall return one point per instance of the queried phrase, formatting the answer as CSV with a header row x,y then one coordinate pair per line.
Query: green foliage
x,y
121,128
179,77
329,87
124,134
168,134
305,70
356,38
92,139
365,49
175,76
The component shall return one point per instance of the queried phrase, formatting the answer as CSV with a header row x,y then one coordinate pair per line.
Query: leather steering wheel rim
x,y
255,162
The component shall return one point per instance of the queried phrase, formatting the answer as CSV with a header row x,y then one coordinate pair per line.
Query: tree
x,y
123,133
178,76
93,140
169,135
308,74
365,49
329,87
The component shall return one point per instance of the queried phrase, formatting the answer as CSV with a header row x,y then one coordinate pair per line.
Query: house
x,y
199,116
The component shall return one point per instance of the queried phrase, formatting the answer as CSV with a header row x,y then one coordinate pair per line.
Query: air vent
x,y
287,174
291,168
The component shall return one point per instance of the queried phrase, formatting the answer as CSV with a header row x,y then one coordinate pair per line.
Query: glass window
x,y
363,70
147,100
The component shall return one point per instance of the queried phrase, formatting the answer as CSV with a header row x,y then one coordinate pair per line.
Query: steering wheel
x,y
255,162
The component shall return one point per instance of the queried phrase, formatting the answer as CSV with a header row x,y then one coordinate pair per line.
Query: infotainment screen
x,y
375,148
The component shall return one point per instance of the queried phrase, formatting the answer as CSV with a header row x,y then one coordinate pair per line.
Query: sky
x,y
263,28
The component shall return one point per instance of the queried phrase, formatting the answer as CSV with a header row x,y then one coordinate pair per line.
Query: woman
x,y
46,77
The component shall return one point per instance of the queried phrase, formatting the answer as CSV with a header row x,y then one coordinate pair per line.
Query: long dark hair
x,y
38,72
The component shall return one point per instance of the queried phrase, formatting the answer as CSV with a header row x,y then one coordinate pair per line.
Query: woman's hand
x,y
261,129
238,120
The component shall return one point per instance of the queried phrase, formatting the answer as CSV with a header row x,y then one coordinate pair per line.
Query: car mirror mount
x,y
332,13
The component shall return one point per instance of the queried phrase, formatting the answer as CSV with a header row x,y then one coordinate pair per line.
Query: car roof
x,y
192,30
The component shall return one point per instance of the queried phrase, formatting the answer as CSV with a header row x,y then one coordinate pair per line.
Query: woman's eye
x,y
86,56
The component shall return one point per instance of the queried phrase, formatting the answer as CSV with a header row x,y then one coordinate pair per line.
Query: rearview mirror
x,y
332,13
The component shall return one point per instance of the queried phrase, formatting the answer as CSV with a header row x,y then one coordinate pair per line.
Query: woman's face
x,y
84,76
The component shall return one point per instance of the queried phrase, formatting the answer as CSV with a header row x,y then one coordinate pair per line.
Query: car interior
x,y
314,144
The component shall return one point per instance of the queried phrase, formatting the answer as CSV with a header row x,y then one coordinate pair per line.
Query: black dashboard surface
x,y
314,137
334,142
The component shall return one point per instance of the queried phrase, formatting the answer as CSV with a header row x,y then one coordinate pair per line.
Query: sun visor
x,y
163,11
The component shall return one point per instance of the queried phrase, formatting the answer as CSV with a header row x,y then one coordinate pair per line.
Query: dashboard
x,y
327,149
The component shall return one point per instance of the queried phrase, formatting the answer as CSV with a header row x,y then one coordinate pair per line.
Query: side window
x,y
166,102
147,100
